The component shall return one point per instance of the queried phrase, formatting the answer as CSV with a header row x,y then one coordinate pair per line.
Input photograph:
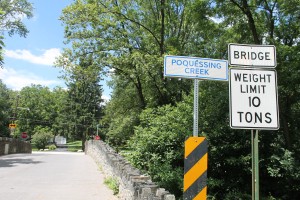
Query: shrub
x,y
158,143
112,184
52,147
41,137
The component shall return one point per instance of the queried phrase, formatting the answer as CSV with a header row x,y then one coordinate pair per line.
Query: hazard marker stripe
x,y
191,144
198,187
198,152
195,172
195,168
201,195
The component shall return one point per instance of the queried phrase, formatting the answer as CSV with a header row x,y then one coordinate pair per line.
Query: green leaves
x,y
41,137
83,103
157,144
11,14
5,109
150,115
35,106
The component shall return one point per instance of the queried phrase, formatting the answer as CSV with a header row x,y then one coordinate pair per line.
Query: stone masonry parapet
x,y
12,145
133,185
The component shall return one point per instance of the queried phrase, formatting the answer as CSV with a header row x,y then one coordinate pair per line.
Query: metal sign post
x,y
195,162
253,95
196,104
255,165
195,68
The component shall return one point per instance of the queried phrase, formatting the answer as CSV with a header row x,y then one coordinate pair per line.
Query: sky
x,y
30,60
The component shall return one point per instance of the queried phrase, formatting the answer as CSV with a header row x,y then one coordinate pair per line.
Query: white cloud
x,y
16,80
105,98
217,20
46,58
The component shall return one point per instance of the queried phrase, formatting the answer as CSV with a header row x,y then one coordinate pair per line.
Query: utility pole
x,y
97,128
16,109
14,117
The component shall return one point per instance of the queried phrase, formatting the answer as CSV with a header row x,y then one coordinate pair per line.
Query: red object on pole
x,y
97,137
24,135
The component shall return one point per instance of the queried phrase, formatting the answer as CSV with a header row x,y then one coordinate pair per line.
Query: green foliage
x,y
11,14
112,183
41,137
1,50
36,105
149,115
83,103
52,147
229,151
60,101
121,130
283,168
74,146
5,107
157,145
236,195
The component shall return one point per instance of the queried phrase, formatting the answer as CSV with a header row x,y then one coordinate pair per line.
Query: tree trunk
x,y
83,139
286,126
162,31
140,93
252,26
246,10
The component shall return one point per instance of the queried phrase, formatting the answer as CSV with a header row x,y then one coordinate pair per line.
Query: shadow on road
x,y
12,162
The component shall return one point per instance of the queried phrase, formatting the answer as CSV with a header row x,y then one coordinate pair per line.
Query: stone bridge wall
x,y
132,184
11,145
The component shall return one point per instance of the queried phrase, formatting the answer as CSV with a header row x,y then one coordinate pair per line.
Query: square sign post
x,y
195,162
195,68
253,95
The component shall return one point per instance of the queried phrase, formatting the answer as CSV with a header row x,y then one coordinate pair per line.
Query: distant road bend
x,y
51,176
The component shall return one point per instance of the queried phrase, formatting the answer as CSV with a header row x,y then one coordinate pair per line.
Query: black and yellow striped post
x,y
195,169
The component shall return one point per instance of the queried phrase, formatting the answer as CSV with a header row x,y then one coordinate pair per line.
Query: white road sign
x,y
195,68
252,55
253,99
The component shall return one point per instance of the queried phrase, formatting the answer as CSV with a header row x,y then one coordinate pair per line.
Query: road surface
x,y
51,176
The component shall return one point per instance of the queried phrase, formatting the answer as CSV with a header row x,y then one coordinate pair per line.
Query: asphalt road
x,y
51,176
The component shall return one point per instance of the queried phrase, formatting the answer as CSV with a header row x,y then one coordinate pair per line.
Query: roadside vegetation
x,y
74,146
149,116
112,184
70,146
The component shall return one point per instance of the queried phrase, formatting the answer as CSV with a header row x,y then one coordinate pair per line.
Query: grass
x,y
34,148
74,146
100,168
112,183
51,147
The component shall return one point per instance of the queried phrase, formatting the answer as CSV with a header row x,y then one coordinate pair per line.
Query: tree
x,y
158,143
41,137
273,22
5,109
129,38
130,41
11,14
35,105
60,124
84,98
